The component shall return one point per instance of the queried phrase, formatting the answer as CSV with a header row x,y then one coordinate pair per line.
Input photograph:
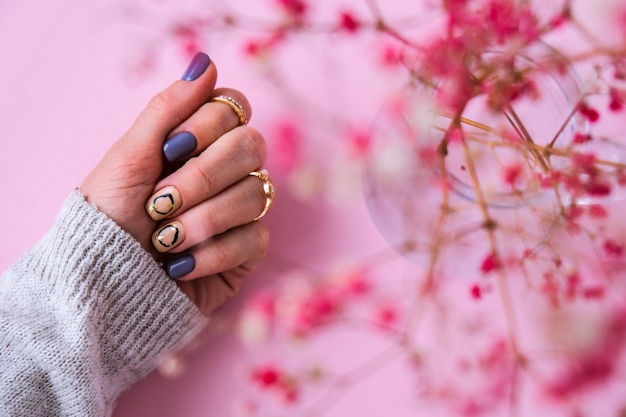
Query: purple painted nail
x,y
198,65
181,266
179,146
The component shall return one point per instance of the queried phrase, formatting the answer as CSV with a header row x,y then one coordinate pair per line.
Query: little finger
x,y
221,253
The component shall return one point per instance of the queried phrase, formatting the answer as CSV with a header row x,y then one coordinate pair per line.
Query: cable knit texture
x,y
84,314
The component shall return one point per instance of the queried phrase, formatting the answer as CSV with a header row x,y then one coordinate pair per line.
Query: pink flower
x,y
612,248
573,282
476,292
595,292
588,371
360,141
356,284
387,315
584,162
511,173
580,138
348,22
258,47
616,102
264,304
390,55
287,138
597,211
621,176
574,212
315,310
509,20
560,19
588,112
271,377
188,38
296,9
266,376
584,177
597,364
505,90
597,188
490,263
550,288
253,48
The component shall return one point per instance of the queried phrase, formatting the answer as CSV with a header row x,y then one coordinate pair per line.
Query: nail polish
x,y
179,146
168,236
163,202
181,266
196,68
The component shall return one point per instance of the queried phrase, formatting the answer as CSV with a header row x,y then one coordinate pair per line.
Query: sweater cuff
x,y
127,302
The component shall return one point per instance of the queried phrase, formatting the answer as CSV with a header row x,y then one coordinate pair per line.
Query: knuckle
x,y
220,120
222,256
233,286
204,178
164,105
253,145
262,239
207,227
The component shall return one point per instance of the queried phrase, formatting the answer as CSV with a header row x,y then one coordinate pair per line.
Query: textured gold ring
x,y
268,189
237,108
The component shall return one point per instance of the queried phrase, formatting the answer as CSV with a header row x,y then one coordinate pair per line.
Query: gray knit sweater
x,y
84,314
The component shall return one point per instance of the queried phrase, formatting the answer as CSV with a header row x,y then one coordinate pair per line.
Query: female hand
x,y
193,205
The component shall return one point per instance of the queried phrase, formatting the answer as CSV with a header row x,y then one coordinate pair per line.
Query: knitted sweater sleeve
x,y
84,314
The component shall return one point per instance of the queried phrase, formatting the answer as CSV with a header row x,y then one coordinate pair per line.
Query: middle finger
x,y
224,163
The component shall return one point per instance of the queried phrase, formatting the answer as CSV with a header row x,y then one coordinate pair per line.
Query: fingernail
x,y
196,68
181,266
163,202
179,146
168,237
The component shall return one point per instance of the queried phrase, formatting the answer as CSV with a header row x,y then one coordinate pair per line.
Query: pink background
x,y
68,92
70,87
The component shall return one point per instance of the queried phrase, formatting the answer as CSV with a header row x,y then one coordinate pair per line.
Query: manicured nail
x,y
196,68
181,266
163,202
168,236
179,146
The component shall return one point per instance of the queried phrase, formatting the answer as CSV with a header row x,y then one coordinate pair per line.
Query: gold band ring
x,y
268,189
237,108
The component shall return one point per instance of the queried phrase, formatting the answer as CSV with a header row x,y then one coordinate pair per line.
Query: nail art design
x,y
179,146
163,203
168,237
181,266
196,68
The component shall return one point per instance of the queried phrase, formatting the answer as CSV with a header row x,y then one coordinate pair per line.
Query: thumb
x,y
175,104
127,173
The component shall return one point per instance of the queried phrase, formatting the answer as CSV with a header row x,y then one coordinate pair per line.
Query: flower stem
x,y
490,226
518,125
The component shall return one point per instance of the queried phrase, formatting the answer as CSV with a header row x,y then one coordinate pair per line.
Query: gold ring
x,y
268,189
237,108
